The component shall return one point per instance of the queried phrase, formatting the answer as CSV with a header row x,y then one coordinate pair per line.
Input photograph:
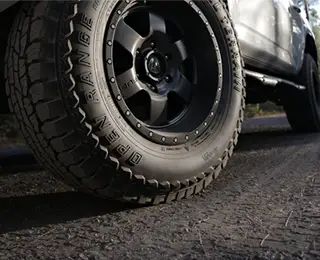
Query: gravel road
x,y
265,205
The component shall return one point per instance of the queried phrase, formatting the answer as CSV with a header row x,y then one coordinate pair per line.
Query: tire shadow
x,y
24,212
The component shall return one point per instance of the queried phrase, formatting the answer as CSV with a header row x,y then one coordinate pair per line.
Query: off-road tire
x,y
50,65
302,107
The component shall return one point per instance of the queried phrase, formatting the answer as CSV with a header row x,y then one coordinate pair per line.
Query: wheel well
x,y
311,48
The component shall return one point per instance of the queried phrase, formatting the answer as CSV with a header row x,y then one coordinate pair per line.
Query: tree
x,y
308,2
314,20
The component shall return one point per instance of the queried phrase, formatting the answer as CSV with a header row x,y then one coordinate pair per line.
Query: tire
x,y
303,108
72,119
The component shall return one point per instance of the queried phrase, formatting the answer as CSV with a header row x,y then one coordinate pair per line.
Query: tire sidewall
x,y
311,108
310,68
152,160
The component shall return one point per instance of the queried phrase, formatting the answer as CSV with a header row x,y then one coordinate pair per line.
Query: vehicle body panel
x,y
272,33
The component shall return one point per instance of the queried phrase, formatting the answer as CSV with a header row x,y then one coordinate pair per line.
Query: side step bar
x,y
271,80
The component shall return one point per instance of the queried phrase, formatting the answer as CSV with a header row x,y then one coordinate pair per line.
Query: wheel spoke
x,y
157,23
182,50
184,89
127,37
158,110
129,84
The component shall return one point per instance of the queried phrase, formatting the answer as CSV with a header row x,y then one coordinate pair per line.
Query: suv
x,y
143,101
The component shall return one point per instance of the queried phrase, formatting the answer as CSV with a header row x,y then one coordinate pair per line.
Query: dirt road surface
x,y
265,205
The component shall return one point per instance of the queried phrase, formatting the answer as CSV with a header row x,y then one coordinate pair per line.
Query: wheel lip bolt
x,y
167,78
152,44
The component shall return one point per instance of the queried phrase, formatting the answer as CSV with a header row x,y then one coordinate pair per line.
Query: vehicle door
x,y
264,31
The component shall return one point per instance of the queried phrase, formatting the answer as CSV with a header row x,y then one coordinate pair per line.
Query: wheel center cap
x,y
154,65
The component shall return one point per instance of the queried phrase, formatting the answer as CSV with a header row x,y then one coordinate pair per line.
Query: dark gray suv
x,y
143,101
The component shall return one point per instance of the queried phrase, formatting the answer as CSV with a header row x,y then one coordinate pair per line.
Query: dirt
x,y
265,205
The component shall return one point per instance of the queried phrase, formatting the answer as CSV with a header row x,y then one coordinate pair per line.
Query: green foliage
x,y
316,29
264,109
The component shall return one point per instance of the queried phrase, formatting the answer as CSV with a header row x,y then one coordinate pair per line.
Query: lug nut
x,y
152,44
167,57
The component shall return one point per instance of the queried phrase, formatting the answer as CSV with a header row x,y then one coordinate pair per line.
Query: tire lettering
x,y
121,150
228,30
235,54
112,137
82,58
91,96
225,20
86,78
237,88
237,83
86,21
217,6
101,123
84,39
134,159
96,4
209,155
236,65
171,149
233,43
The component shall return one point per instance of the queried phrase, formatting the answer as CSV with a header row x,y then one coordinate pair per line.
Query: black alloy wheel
x,y
159,73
